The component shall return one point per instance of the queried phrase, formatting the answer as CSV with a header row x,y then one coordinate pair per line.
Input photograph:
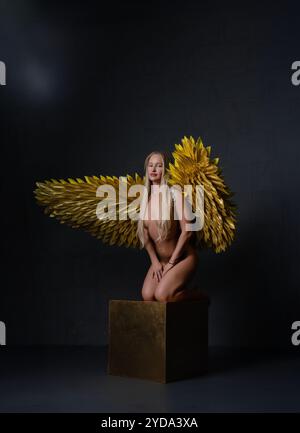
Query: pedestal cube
x,y
159,341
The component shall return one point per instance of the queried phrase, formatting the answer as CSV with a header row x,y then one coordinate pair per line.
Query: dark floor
x,y
74,379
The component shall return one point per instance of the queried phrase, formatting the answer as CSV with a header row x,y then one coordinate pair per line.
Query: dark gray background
x,y
92,91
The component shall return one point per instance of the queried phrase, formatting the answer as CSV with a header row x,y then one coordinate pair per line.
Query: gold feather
x,y
192,166
74,203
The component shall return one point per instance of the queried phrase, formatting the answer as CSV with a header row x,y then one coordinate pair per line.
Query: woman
x,y
174,258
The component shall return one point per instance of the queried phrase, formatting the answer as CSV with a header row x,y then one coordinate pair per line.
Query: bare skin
x,y
167,282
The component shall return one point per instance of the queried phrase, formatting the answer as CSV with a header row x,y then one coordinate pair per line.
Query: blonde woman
x,y
174,257
172,248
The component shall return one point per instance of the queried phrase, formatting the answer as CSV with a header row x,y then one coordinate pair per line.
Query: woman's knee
x,y
161,293
166,290
148,297
148,294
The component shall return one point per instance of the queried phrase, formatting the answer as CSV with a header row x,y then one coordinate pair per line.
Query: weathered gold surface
x,y
160,341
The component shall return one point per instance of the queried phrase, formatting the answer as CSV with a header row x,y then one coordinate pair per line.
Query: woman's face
x,y
155,168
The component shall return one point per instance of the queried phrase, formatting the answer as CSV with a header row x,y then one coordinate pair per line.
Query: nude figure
x,y
174,259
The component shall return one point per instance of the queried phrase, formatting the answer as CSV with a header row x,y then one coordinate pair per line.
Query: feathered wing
x,y
74,202
193,166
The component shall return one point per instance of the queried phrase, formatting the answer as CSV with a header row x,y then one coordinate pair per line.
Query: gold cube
x,y
159,341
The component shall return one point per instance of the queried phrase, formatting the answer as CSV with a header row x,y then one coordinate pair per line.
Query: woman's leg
x,y
174,284
149,286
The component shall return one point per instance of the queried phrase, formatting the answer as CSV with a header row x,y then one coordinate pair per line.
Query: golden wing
x,y
75,203
193,166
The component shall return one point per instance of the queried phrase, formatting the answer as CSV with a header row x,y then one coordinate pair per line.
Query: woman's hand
x,y
157,271
167,268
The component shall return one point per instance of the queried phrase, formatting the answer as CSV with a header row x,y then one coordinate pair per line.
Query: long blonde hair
x,y
164,224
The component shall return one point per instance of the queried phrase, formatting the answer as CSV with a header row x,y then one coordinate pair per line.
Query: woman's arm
x,y
181,245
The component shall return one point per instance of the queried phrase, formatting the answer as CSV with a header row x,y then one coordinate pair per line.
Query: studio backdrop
x,y
90,91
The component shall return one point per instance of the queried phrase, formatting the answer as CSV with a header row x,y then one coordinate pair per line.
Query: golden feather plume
x,y
74,202
193,166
